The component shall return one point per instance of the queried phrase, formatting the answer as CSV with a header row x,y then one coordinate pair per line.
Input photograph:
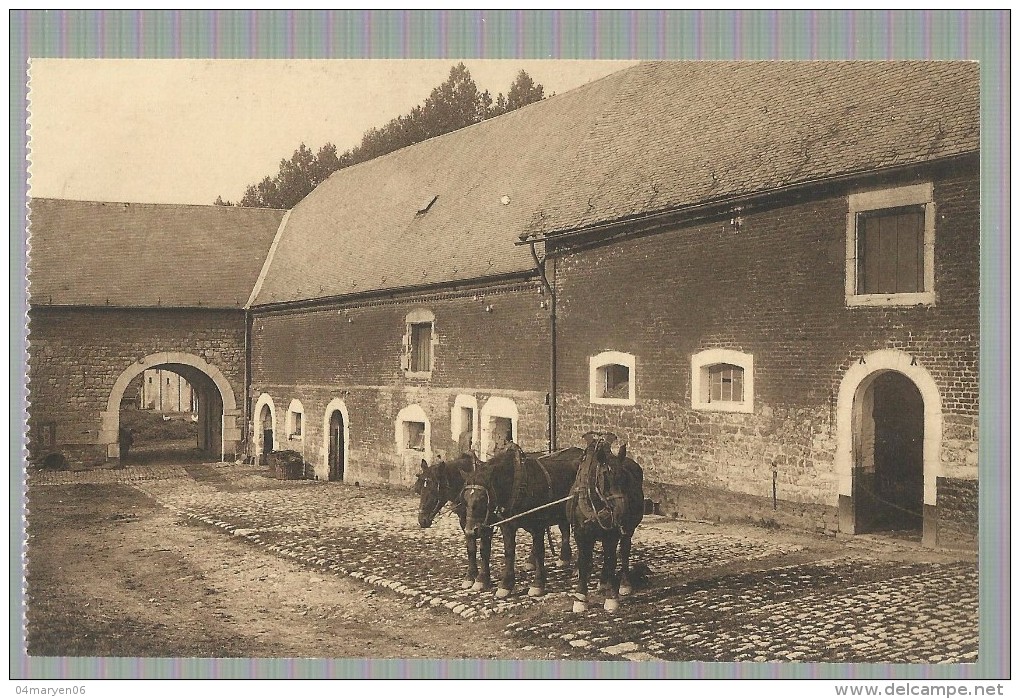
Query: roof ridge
x,y
101,202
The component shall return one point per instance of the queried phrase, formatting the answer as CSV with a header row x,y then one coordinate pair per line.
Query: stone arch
x,y
194,369
852,388
336,405
264,401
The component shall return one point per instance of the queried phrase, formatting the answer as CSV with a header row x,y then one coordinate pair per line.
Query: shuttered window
x,y
421,347
890,251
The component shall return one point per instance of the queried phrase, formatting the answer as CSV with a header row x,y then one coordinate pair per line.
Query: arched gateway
x,y
218,416
888,445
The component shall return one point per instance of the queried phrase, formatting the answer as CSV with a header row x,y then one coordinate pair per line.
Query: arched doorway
x,y
217,434
264,428
336,446
888,446
336,433
889,483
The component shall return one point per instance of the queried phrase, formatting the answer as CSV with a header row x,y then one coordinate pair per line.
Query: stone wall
x,y
774,289
77,355
353,353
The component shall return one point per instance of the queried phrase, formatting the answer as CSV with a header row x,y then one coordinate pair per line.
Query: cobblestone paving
x,y
711,596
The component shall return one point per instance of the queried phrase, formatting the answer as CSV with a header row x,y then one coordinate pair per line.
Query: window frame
x,y
295,409
702,364
418,317
891,198
407,414
597,366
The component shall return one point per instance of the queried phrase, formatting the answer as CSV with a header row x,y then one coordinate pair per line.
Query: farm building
x,y
762,275
117,290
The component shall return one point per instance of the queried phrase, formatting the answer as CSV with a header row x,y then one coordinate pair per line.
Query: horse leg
x,y
537,589
472,572
609,545
584,550
509,553
625,584
565,553
483,581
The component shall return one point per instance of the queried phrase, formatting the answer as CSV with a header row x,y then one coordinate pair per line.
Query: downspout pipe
x,y
551,396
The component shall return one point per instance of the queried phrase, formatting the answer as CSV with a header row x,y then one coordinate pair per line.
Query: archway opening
x,y
147,432
159,418
337,446
889,445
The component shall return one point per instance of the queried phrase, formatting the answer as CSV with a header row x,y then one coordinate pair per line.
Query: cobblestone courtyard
x,y
715,593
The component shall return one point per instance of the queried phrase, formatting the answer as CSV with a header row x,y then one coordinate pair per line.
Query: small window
x,y
421,347
295,419
890,247
611,379
417,359
722,380
414,436
413,432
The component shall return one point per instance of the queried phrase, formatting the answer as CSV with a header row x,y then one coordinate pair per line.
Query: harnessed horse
x,y
606,505
441,484
515,485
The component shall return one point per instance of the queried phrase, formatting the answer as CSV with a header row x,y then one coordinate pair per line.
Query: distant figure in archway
x,y
127,439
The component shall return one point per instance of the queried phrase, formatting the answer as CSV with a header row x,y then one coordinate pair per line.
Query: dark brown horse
x,y
606,505
511,484
440,484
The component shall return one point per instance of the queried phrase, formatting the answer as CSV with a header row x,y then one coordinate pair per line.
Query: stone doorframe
x,y
335,405
856,381
265,400
110,418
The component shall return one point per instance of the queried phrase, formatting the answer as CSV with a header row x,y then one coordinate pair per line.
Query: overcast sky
x,y
186,131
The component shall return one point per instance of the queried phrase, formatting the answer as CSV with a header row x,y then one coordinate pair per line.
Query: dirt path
x,y
111,573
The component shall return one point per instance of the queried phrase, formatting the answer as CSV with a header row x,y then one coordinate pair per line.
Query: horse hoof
x,y
529,566
477,586
612,605
466,584
502,593
535,591
625,590
580,607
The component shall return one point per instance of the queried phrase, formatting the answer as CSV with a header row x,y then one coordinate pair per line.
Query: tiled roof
x,y
139,255
688,133
656,137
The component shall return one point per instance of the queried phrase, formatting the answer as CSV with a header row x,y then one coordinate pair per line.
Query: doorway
x,y
889,478
336,446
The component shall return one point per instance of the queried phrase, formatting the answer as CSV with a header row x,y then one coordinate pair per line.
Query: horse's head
x,y
480,489
429,488
603,477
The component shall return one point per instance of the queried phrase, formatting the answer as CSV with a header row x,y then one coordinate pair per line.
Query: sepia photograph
x,y
627,361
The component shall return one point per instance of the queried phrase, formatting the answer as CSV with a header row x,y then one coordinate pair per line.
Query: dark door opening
x,y
336,446
892,498
266,420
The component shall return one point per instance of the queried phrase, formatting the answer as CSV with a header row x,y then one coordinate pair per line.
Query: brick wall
x,y
354,353
773,289
76,356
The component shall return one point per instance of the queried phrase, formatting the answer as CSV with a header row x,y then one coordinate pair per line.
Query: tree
x,y
454,104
